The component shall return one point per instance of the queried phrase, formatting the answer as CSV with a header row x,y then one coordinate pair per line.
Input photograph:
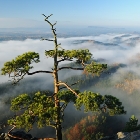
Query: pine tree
x,y
132,124
48,110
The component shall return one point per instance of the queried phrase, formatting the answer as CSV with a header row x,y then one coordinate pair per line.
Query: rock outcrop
x,y
124,136
20,135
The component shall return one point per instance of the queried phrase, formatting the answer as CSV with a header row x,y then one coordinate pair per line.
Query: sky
x,y
69,13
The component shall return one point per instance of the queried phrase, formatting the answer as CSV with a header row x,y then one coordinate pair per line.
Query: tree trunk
x,y
59,132
56,89
57,104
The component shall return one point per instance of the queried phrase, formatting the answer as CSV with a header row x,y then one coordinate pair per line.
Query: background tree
x,y
132,124
87,129
47,109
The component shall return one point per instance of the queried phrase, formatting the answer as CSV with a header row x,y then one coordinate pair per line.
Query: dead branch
x,y
64,60
40,71
68,87
71,84
47,39
70,68
12,135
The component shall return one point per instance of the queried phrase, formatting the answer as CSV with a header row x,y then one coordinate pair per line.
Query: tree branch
x,y
71,84
16,80
12,135
60,46
63,108
52,125
64,60
47,16
68,87
47,39
40,71
70,68
52,25
55,24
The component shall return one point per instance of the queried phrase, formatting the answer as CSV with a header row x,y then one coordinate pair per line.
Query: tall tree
x,y
49,109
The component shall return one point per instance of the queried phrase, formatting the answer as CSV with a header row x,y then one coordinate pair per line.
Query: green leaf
x,y
20,65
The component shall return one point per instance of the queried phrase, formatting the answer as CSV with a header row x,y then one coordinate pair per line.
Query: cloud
x,y
113,54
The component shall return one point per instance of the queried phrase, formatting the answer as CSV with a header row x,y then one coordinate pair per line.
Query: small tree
x,y
49,110
132,124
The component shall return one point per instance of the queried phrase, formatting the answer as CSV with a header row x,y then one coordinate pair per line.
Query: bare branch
x,y
64,105
52,25
64,60
47,16
70,68
59,45
46,39
55,24
44,15
21,76
12,135
68,87
40,71
71,84
46,19
12,128
83,64
63,108
15,81
15,137
52,125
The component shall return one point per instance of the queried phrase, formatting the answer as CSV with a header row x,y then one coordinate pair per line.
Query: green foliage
x,y
132,125
96,102
67,96
20,102
90,100
20,63
95,68
113,105
20,66
80,55
39,108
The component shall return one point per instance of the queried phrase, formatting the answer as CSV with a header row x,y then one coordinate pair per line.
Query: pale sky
x,y
28,13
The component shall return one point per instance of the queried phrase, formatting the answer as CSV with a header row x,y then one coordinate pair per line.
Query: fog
x,y
117,49
114,48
